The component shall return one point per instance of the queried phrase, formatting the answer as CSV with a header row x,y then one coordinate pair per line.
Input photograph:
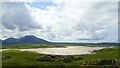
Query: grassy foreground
x,y
25,58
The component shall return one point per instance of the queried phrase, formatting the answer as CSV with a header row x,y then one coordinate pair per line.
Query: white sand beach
x,y
69,50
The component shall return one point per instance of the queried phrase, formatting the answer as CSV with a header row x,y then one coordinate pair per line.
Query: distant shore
x,y
68,50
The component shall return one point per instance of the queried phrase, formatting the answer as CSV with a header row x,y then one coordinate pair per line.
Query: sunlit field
x,y
28,58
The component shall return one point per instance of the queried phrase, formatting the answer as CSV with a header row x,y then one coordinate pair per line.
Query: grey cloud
x,y
17,15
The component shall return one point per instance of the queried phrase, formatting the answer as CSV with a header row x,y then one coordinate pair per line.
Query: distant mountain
x,y
31,39
109,42
0,42
24,40
9,41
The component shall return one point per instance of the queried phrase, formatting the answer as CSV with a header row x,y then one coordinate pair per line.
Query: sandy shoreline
x,y
69,50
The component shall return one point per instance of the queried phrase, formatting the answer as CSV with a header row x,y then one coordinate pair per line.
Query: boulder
x,y
5,57
67,59
44,59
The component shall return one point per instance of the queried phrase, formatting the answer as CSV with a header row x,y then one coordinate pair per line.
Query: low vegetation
x,y
104,58
28,46
25,58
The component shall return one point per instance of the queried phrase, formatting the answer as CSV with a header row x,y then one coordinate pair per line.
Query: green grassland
x,y
25,58
27,46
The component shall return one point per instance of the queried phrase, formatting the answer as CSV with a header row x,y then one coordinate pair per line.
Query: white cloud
x,y
59,0
70,21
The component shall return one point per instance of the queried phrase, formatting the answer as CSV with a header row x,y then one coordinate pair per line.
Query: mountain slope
x,y
9,41
24,40
0,42
31,39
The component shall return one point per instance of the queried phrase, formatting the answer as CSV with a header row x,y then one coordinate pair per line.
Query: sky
x,y
61,20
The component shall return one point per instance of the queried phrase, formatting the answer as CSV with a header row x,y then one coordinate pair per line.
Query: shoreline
x,y
69,50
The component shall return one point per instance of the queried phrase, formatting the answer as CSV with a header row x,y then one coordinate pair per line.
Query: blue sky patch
x,y
41,5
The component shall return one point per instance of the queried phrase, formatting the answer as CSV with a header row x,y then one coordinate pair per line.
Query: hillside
x,y
24,40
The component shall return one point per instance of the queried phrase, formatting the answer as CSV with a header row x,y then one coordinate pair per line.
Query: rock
x,y
5,57
52,56
105,62
67,59
78,57
84,63
44,59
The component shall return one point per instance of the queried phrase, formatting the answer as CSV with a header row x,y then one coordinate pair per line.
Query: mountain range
x,y
24,40
30,39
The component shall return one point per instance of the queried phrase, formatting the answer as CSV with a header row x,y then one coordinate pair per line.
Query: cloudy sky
x,y
61,20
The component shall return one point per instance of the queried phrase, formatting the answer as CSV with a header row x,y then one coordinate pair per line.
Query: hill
x,y
25,40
